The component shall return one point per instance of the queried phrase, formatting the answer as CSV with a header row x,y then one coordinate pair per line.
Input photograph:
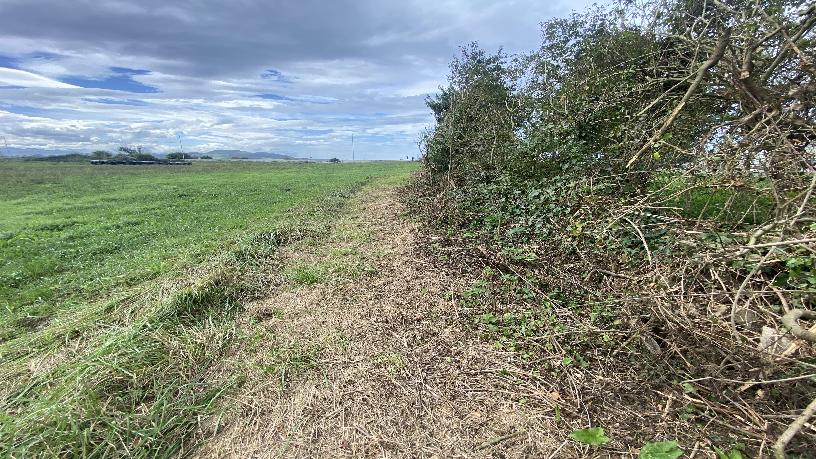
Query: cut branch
x,y
793,429
791,322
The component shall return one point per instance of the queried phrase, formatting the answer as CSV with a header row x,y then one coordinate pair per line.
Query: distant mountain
x,y
13,151
226,154
218,154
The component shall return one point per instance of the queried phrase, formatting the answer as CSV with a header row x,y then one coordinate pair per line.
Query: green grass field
x,y
118,286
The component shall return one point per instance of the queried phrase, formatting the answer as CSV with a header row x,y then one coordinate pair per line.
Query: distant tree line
x,y
136,154
121,154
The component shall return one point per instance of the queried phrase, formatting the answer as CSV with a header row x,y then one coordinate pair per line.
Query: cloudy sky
x,y
286,76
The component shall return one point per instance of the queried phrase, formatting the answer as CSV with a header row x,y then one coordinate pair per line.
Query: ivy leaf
x,y
590,436
660,450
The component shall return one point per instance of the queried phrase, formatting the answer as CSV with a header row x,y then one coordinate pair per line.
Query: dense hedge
x,y
660,150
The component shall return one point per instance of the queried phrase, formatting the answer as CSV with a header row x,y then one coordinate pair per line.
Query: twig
x,y
498,440
785,306
555,453
612,273
742,289
753,383
782,243
793,429
642,238
719,50
806,25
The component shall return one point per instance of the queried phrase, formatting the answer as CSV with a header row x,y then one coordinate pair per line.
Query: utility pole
x,y
181,147
352,147
5,142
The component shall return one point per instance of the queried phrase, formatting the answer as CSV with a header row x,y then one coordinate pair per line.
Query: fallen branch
x,y
781,243
793,429
790,321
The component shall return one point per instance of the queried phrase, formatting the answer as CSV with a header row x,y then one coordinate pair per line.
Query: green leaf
x,y
733,454
660,450
590,436
689,388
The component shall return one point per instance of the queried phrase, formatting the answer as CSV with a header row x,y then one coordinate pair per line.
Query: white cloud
x,y
346,67
14,77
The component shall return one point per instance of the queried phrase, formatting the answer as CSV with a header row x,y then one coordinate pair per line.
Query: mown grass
x,y
73,233
119,285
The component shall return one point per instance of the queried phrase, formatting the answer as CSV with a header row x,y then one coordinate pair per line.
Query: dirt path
x,y
362,352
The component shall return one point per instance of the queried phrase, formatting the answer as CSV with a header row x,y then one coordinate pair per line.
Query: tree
x,y
145,157
474,137
101,154
130,151
134,154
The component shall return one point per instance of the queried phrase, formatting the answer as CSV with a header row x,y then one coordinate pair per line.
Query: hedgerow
x,y
647,174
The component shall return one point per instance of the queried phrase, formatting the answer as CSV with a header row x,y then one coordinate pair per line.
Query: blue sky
x,y
296,77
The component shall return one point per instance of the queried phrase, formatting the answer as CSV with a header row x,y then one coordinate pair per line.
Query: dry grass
x,y
375,361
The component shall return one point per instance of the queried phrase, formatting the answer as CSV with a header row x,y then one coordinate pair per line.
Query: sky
x,y
296,77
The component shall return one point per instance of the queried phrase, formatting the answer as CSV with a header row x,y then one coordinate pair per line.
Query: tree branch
x,y
711,62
